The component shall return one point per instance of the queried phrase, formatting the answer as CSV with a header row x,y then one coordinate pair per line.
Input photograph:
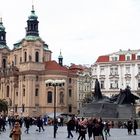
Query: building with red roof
x,y
24,71
117,70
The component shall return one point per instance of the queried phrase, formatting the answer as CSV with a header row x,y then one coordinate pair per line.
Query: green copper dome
x,y
2,28
60,55
33,16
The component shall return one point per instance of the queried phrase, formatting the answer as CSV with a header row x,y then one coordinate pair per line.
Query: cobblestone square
x,y
116,134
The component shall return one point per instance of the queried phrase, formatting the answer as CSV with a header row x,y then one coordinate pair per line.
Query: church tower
x,y
2,34
32,24
4,50
60,59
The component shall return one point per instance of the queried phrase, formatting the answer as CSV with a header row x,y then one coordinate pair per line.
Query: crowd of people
x,y
94,128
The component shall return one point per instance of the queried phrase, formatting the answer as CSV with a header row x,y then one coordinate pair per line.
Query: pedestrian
x,y
16,132
135,126
69,128
89,127
107,129
40,124
82,129
27,123
129,126
61,120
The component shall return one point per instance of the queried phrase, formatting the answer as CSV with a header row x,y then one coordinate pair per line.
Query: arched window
x,y
4,63
49,98
36,92
36,56
15,59
61,98
69,80
7,91
25,56
70,108
23,92
1,37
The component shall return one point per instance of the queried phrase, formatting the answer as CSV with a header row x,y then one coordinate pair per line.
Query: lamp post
x,y
55,83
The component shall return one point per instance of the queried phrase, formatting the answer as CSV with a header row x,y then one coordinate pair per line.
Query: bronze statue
x,y
97,91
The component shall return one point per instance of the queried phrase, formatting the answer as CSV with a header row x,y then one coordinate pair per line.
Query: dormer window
x,y
138,56
128,57
114,58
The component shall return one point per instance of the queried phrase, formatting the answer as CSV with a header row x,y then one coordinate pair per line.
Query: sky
x,y
82,29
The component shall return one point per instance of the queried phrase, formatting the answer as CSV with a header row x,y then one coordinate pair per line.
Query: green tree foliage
x,y
3,105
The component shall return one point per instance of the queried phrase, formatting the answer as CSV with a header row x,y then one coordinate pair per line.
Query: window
x,y
70,93
1,37
61,98
70,108
127,58
69,80
49,100
127,83
36,56
4,63
24,78
7,91
16,107
24,92
36,92
127,69
115,58
36,77
114,70
94,70
25,56
102,85
101,70
15,59
138,83
138,69
138,57
114,84
23,107
16,93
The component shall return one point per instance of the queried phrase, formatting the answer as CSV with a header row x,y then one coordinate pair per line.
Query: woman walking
x,y
16,132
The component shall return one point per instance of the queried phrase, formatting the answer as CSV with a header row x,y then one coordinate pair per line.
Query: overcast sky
x,y
81,29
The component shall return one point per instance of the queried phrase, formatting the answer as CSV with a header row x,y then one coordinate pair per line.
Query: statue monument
x,y
97,91
118,106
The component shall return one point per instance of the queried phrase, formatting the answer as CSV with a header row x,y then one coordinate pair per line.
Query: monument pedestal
x,y
107,110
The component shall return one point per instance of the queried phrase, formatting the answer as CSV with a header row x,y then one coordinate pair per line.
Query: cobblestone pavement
x,y
116,134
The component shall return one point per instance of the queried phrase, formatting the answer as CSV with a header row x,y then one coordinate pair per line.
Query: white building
x,y
117,70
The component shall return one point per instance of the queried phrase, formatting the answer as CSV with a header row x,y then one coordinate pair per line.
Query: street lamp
x,y
55,83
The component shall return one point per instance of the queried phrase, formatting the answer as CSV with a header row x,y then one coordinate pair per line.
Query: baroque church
x,y
24,70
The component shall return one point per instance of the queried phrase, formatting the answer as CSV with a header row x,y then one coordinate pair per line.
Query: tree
x,y
3,105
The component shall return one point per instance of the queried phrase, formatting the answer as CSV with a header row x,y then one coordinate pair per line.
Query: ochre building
x,y
24,70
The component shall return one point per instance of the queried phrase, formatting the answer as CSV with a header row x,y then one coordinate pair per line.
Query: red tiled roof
x,y
122,57
53,65
133,56
104,58
75,67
